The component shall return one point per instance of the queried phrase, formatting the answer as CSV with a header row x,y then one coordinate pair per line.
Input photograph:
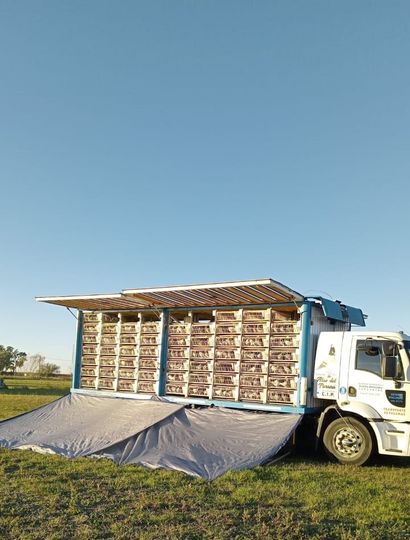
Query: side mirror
x,y
391,367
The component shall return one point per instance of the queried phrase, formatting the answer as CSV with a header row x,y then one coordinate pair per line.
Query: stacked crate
x,y
89,359
201,359
107,373
283,359
254,355
179,338
149,353
228,329
128,359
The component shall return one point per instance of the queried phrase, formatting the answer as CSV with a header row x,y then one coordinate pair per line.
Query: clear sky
x,y
150,143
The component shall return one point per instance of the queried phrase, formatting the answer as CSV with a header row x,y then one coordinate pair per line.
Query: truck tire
x,y
348,441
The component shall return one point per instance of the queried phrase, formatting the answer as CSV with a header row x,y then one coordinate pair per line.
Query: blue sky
x,y
152,143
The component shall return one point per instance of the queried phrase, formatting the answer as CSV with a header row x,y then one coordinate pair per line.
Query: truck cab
x,y
362,378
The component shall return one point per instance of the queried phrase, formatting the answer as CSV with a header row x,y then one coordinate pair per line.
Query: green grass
x,y
49,497
24,394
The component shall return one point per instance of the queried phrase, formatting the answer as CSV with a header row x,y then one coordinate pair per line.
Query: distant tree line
x,y
12,359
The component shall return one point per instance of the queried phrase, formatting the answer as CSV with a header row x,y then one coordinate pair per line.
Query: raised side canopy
x,y
254,292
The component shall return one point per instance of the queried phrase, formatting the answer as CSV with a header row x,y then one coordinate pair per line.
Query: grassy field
x,y
50,497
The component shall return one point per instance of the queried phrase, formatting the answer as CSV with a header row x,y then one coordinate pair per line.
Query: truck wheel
x,y
349,441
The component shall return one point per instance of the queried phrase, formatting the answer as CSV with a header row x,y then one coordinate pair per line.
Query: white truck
x,y
364,377
254,345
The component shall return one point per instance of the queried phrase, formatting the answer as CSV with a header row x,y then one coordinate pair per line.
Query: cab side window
x,y
369,356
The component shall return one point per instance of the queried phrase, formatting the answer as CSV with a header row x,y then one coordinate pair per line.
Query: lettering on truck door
x,y
367,380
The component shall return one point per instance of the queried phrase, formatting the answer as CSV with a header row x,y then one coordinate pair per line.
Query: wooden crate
x,y
89,350
127,362
149,351
128,339
279,396
109,350
255,341
87,382
107,361
179,328
149,339
88,371
91,316
90,328
254,367
148,363
224,392
109,328
177,376
198,390
285,327
126,373
177,365
256,328
146,387
228,341
106,384
89,360
256,315
128,350
175,388
200,378
226,379
283,368
202,328
225,366
200,365
202,341
150,327
227,354
126,385
250,354
107,372
109,339
147,375
284,341
280,355
252,394
178,341
178,353
90,338
202,354
259,381
228,329
288,383
130,328
222,315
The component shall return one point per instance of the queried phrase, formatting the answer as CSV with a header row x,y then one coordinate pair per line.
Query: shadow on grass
x,y
43,391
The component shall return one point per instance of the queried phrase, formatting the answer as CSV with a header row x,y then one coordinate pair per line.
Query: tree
x,y
35,362
11,358
48,370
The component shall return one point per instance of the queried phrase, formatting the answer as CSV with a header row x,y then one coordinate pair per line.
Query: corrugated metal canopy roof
x,y
262,291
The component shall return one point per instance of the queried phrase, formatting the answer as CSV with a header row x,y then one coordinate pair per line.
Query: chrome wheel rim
x,y
348,442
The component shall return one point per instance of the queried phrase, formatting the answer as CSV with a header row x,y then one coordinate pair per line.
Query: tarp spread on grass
x,y
157,434
78,425
207,442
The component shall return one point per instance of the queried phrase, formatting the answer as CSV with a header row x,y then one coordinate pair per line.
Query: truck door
x,y
369,381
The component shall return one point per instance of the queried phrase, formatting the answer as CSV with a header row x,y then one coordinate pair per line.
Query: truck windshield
x,y
406,345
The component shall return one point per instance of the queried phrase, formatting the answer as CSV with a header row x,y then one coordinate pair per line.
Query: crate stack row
x,y
90,350
99,351
189,359
120,353
244,355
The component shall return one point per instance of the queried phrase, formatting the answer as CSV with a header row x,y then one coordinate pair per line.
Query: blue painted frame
x,y
78,351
